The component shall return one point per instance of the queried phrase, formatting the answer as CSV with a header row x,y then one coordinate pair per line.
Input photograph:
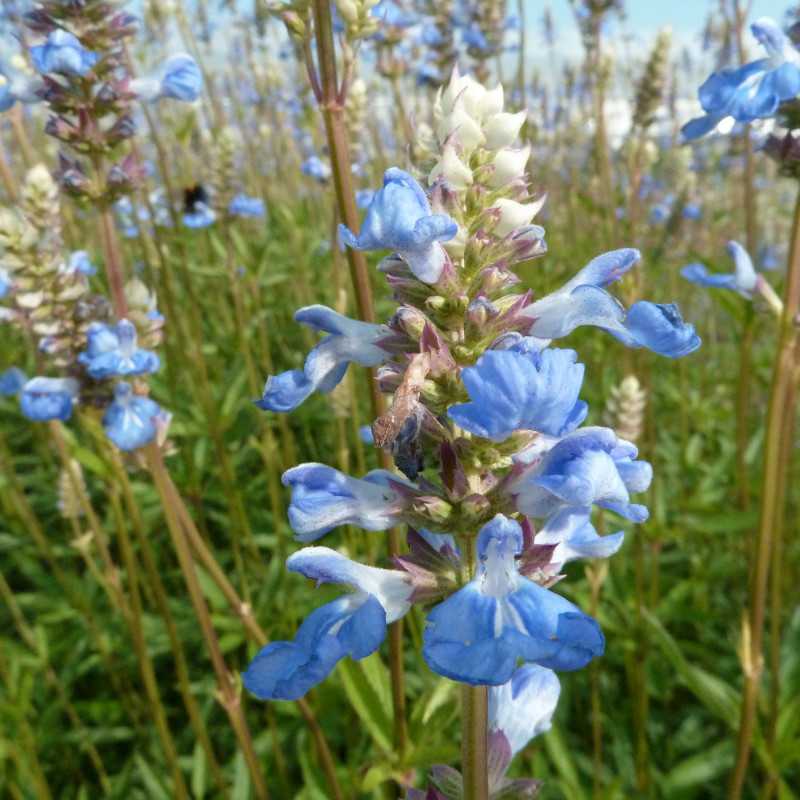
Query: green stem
x,y
772,505
475,741
228,694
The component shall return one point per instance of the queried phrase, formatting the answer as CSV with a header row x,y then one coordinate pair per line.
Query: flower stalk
x,y
474,741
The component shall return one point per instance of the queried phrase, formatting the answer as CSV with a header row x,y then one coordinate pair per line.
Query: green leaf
x,y
366,685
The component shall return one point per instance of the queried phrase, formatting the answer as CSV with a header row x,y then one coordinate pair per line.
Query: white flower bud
x,y
509,165
514,215
454,171
501,130
462,127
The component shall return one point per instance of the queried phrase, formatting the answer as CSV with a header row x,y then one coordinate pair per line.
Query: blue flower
x,y
43,399
574,536
5,283
244,206
353,625
324,498
524,706
479,634
744,280
587,467
112,351
326,364
753,91
201,216
511,390
62,53
399,218
393,15
692,211
12,381
16,85
584,301
316,168
79,263
179,78
130,421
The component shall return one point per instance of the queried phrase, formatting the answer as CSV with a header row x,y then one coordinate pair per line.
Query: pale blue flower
x,y
112,350
44,399
753,91
399,218
201,216
17,86
79,263
353,625
12,381
480,634
315,167
574,536
743,280
523,707
179,78
348,341
511,390
324,498
590,466
583,301
63,54
244,206
5,283
131,420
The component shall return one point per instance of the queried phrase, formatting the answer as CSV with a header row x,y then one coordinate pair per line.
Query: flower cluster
x,y
83,80
500,477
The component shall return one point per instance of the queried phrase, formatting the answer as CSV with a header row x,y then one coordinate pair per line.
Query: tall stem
x,y
474,741
772,502
332,107
228,694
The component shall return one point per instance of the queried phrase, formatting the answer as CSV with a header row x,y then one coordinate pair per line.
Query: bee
x,y
192,196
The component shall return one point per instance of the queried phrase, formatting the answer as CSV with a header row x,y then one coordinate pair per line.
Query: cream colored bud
x,y
515,215
452,169
348,9
462,127
509,165
501,130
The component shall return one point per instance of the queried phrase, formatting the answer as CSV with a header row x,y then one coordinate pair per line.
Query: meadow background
x,y
89,582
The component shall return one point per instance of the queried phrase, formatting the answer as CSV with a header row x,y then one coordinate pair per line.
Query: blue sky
x,y
684,16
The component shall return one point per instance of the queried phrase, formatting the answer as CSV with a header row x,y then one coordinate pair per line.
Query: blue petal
x,y
12,381
660,328
285,392
130,420
461,641
44,399
697,273
700,126
288,670
511,390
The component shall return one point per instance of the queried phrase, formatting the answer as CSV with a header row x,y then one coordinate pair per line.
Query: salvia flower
x,y
753,91
399,218
324,498
479,634
43,399
131,421
5,283
112,350
584,301
590,466
523,707
62,53
244,206
17,84
511,390
11,381
315,167
571,531
200,216
354,625
179,78
348,341
743,280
